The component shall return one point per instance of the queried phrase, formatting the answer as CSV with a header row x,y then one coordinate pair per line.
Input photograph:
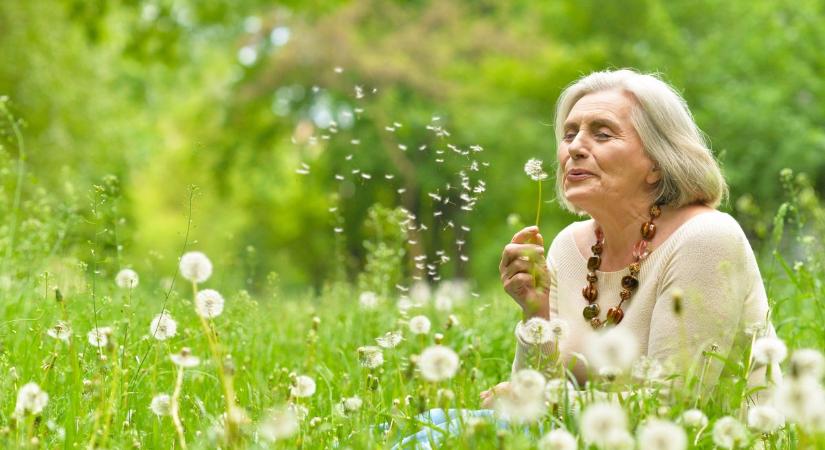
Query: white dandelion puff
x,y
528,383
694,418
99,337
161,404
390,339
368,300
769,350
304,386
370,356
729,433
279,424
799,399
352,404
615,349
30,400
600,420
535,331
420,325
533,169
559,390
61,331
558,439
559,328
807,362
127,279
195,267
209,303
765,419
438,363
185,358
657,434
647,369
163,327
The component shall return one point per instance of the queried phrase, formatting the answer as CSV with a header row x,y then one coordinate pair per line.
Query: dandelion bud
x,y
229,366
316,321
677,295
438,338
452,321
397,402
58,296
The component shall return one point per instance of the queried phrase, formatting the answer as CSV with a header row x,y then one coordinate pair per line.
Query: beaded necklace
x,y
629,282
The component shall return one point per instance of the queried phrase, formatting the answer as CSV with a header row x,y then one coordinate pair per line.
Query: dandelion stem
x,y
174,409
538,206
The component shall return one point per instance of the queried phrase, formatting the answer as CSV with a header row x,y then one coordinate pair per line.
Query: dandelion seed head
x,y
807,362
368,300
533,169
600,420
61,331
30,400
352,404
615,349
558,439
370,356
420,325
535,331
769,350
765,419
389,340
161,404
557,389
799,399
184,358
438,363
127,279
163,327
209,303
694,418
528,383
195,267
279,424
729,433
647,369
657,434
99,337
303,386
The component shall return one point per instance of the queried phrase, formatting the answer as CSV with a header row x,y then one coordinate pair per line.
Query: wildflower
x,y
419,325
600,421
352,404
195,267
799,399
619,439
163,326
657,434
535,331
757,328
558,439
438,363
769,350
209,303
279,424
765,419
61,331
807,362
161,404
370,356
30,399
694,418
528,383
557,389
533,169
559,328
647,369
99,337
185,358
523,401
729,433
389,340
615,349
368,300
304,386
127,279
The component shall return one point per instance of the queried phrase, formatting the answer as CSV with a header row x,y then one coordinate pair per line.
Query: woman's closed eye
x,y
569,136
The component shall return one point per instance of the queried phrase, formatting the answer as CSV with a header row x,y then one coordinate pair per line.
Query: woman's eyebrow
x,y
602,122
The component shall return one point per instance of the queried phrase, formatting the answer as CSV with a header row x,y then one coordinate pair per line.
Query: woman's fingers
x,y
528,235
514,251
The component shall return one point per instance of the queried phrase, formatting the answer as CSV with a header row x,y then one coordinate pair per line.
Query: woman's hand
x,y
488,397
524,273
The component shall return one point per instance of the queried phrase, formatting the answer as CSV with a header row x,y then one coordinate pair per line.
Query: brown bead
x,y
590,311
593,263
655,211
625,294
597,248
591,277
648,230
590,293
640,250
634,268
615,315
630,282
595,323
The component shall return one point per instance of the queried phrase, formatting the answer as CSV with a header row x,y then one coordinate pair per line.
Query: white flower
x,y
279,424
757,328
61,331
370,356
557,389
127,279
352,404
420,293
769,350
161,404
419,325
694,418
765,419
729,433
535,331
558,439
195,267
560,328
657,434
647,369
523,401
185,358
528,383
368,300
534,170
390,339
599,422
619,439
807,362
799,399
304,386
163,326
209,303
615,349
438,363
99,337
30,399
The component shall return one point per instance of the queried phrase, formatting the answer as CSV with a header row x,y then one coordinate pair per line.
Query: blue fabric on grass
x,y
437,424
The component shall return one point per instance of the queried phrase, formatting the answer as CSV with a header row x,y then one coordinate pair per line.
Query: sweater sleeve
x,y
525,352
712,274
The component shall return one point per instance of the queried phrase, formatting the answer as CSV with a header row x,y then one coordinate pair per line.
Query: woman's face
x,y
601,155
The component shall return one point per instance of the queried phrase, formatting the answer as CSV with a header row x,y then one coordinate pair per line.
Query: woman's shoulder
x,y
564,243
710,234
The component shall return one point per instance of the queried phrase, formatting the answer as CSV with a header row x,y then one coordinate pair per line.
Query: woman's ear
x,y
655,174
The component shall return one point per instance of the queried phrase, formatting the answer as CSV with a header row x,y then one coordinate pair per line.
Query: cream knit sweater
x,y
708,258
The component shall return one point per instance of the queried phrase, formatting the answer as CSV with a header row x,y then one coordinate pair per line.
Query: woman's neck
x,y
621,225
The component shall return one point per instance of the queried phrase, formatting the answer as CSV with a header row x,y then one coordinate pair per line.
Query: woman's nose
x,y
576,148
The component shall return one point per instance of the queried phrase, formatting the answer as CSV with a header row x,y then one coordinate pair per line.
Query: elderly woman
x,y
655,257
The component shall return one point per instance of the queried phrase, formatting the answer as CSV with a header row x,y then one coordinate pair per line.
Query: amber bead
x,y
590,293
625,294
597,248
595,323
655,211
590,311
630,282
635,268
593,263
591,277
648,230
615,315
640,250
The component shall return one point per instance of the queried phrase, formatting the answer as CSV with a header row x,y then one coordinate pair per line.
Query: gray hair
x,y
671,138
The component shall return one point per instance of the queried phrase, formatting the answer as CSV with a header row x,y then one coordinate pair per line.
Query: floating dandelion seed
x,y
419,325
370,356
304,387
657,434
280,424
339,177
359,92
355,142
558,439
195,267
99,337
389,340
769,350
302,171
163,326
161,405
209,303
30,400
338,230
438,363
366,176
61,331
127,279
729,433
185,358
339,69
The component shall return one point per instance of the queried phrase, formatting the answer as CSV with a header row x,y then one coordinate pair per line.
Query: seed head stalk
x,y
174,408
538,206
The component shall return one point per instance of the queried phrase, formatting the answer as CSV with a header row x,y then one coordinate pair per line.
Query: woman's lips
x,y
578,175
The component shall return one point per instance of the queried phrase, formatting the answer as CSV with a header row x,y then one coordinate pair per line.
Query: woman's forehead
x,y
612,105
